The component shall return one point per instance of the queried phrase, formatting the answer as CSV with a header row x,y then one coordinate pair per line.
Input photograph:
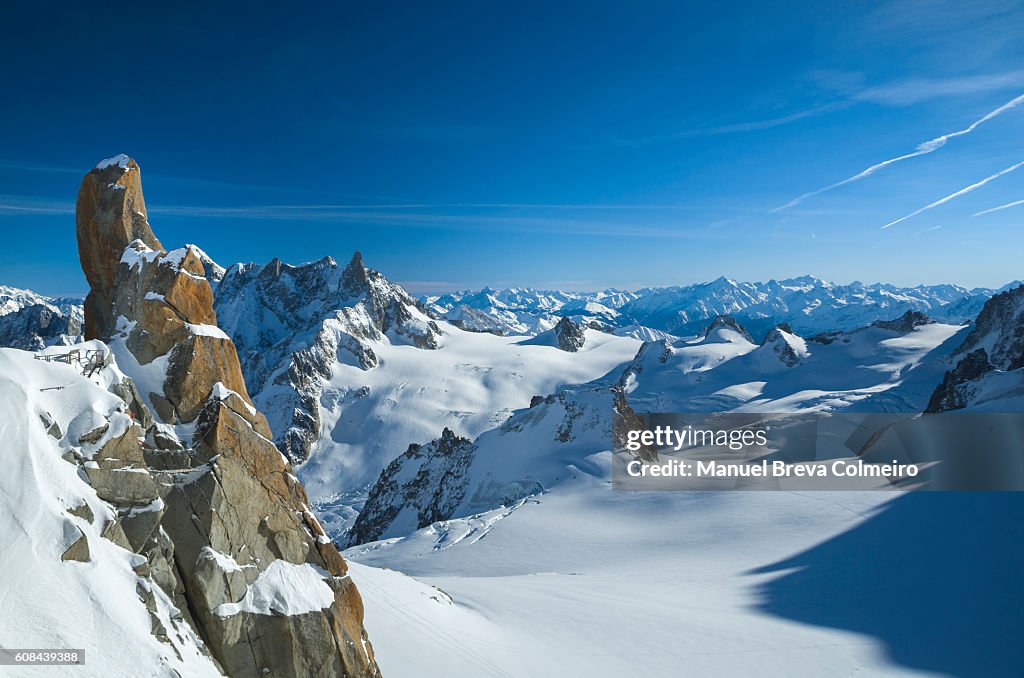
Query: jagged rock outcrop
x,y
905,323
293,324
571,335
730,323
994,345
228,527
433,492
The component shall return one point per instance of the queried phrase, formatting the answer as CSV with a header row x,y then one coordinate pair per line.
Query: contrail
x,y
1001,207
922,149
951,196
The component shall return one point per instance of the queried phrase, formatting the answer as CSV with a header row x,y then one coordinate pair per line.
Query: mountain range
x,y
808,304
190,480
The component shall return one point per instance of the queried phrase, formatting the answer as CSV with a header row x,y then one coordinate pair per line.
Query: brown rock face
x,y
110,213
224,505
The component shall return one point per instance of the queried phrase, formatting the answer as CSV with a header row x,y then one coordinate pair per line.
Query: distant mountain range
x,y
808,304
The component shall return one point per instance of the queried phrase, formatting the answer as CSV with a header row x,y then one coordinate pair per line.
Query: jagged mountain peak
x,y
292,324
999,329
571,335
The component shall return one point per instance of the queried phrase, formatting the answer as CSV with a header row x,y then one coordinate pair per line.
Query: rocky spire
x,y
354,278
235,519
110,214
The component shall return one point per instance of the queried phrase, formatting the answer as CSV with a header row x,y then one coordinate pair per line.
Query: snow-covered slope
x,y
350,370
66,584
30,321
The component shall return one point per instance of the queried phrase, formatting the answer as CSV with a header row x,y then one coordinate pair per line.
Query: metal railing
x,y
89,360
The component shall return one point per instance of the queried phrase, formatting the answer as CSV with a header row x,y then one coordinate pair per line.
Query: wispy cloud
x,y
953,196
733,128
18,205
923,148
907,92
999,208
928,230
427,216
442,220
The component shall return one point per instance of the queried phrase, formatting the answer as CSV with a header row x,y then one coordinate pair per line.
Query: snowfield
x,y
584,579
590,581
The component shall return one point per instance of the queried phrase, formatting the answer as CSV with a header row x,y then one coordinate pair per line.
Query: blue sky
x,y
575,144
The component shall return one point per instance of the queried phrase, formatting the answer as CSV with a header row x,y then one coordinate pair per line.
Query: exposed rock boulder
x,y
79,549
222,522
